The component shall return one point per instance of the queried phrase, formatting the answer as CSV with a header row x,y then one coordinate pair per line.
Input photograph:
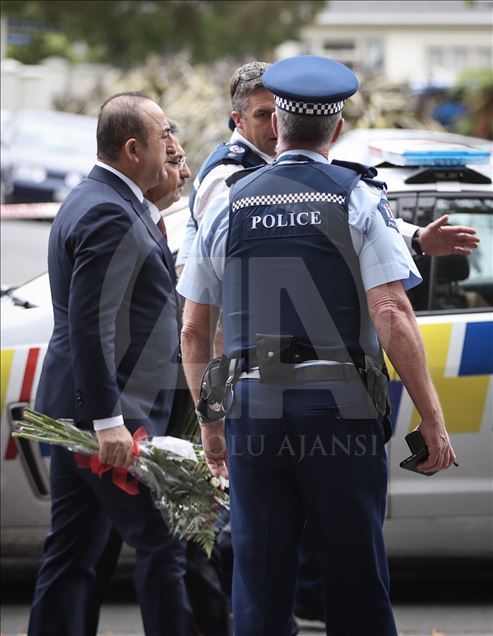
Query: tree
x,y
125,32
474,89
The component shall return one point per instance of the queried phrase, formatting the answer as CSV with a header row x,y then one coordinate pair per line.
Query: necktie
x,y
162,228
160,224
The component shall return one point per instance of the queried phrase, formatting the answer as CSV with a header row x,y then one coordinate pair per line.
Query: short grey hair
x,y
241,86
293,128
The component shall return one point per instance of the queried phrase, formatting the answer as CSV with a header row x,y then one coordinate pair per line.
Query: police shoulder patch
x,y
387,214
236,149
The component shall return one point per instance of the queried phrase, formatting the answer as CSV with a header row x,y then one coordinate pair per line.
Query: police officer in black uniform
x,y
308,266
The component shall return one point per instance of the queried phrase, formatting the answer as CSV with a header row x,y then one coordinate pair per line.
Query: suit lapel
x,y
113,180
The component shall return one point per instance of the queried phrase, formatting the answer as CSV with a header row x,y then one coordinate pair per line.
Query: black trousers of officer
x,y
294,455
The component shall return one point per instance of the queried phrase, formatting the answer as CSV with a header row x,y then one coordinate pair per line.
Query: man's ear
x,y
338,130
129,151
237,120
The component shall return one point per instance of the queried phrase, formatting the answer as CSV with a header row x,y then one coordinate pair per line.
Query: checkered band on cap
x,y
304,108
296,197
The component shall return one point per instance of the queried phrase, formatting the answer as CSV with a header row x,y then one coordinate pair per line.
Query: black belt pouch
x,y
275,358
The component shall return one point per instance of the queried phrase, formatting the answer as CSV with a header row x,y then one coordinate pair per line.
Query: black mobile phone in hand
x,y
419,450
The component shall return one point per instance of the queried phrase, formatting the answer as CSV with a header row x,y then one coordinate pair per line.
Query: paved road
x,y
424,606
413,620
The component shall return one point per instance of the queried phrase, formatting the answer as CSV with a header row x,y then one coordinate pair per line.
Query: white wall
x,y
26,86
405,50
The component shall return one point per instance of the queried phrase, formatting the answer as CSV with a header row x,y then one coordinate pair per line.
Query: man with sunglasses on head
x,y
251,144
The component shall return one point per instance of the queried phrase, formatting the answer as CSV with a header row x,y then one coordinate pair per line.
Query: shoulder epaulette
x,y
239,174
367,173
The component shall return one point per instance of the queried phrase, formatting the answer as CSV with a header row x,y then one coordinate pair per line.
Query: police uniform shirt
x,y
382,252
214,184
212,187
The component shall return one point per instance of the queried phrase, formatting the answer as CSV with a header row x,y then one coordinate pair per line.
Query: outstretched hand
x,y
440,239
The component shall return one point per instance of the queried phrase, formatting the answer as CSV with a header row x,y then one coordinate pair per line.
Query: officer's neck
x,y
322,149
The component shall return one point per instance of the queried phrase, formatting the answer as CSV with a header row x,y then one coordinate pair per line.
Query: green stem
x,y
51,440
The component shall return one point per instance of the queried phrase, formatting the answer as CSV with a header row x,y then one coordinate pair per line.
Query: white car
x,y
449,514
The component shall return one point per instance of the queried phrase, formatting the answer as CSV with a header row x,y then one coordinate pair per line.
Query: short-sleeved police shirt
x,y
383,254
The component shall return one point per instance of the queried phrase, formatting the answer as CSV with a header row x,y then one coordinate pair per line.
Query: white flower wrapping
x,y
180,447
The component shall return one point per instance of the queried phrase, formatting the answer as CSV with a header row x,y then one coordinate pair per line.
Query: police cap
x,y
310,85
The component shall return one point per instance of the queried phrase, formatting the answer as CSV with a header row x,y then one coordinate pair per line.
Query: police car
x,y
430,174
449,514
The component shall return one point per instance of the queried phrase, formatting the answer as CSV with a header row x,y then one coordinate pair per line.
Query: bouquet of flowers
x,y
184,491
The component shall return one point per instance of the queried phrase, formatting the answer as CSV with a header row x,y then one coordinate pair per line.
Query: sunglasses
x,y
253,73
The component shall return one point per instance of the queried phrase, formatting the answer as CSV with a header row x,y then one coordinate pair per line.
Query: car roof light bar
x,y
433,174
425,152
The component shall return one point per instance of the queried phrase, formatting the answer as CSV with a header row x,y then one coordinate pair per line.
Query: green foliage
x,y
474,89
380,104
125,33
43,45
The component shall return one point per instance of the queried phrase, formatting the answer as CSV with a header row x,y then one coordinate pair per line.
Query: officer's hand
x,y
115,446
438,239
441,454
214,444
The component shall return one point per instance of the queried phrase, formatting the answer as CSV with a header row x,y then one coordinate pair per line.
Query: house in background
x,y
416,42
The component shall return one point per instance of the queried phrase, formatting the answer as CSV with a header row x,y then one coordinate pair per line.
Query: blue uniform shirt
x,y
382,252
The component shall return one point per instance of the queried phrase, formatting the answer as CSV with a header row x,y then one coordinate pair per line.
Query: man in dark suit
x,y
111,366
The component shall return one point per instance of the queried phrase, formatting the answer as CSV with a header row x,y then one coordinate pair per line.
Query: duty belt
x,y
314,371
299,353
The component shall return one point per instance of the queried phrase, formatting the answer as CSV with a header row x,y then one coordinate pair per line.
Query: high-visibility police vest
x,y
291,268
226,153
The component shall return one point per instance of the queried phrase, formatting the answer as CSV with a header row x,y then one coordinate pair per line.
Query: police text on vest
x,y
289,219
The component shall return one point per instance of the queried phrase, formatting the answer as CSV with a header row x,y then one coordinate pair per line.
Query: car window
x,y
454,282
56,136
405,207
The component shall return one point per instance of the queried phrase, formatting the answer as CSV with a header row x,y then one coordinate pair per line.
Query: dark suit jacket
x,y
115,339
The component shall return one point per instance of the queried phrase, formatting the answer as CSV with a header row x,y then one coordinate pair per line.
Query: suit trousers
x,y
297,455
83,508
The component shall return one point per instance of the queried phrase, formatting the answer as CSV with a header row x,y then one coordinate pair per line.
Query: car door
x,y
454,310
